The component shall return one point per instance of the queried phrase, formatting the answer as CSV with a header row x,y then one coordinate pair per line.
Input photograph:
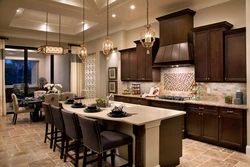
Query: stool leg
x,y
15,119
66,148
84,156
62,145
130,155
99,159
77,146
55,140
52,136
46,132
113,157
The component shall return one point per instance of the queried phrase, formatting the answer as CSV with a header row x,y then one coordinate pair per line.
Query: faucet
x,y
110,95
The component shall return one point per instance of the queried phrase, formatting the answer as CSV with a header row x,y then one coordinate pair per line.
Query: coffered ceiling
x,y
27,18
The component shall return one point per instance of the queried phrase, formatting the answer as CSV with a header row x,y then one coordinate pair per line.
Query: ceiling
x,y
27,18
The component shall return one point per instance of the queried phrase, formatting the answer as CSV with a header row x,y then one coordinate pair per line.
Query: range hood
x,y
176,39
180,54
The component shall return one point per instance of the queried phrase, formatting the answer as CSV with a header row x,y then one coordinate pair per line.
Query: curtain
x,y
2,79
76,75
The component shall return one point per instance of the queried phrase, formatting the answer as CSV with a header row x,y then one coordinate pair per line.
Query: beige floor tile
x,y
240,157
214,163
242,164
216,154
46,162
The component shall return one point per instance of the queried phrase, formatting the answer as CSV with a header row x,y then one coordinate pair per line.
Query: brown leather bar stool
x,y
49,121
73,131
101,142
59,129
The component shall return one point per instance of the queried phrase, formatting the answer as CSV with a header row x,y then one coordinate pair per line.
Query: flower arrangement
x,y
52,88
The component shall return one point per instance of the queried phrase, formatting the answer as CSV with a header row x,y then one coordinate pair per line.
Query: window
x,y
14,71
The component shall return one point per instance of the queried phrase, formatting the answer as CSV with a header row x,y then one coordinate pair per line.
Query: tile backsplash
x,y
177,81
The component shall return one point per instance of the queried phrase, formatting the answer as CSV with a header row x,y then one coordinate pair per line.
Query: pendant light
x,y
82,54
147,35
107,45
46,49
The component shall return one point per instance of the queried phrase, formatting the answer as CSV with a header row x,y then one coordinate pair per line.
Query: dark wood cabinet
x,y
235,55
202,122
209,53
175,27
122,99
168,105
140,101
145,59
232,128
128,64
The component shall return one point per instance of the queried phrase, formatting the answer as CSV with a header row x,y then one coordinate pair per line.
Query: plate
x,y
92,110
66,102
78,106
123,114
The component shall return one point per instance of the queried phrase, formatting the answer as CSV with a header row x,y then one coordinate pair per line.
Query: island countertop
x,y
136,114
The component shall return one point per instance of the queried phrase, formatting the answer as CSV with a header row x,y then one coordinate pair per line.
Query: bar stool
x,y
73,131
59,128
100,142
49,121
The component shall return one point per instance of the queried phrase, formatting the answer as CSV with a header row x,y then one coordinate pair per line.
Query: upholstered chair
x,y
52,98
49,121
39,93
66,95
73,132
100,142
18,109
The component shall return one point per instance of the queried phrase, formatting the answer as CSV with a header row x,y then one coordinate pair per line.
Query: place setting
x,y
69,101
117,112
92,108
77,104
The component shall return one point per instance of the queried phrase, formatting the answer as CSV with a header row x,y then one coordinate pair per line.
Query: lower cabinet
x,y
217,125
168,105
122,99
140,101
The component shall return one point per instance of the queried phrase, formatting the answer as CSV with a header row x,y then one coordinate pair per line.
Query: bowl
x,y
70,100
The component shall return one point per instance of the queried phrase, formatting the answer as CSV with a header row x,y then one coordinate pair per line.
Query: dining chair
x,y
38,94
73,132
52,98
49,121
59,129
101,142
66,95
18,109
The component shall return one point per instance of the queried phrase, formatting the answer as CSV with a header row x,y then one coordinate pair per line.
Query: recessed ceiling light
x,y
18,10
132,7
113,15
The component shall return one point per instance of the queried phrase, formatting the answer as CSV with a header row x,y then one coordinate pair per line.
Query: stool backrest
x,y
57,117
91,133
48,114
72,127
39,93
66,95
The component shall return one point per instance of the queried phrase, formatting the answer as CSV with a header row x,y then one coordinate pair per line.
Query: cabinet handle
x,y
201,108
219,116
225,78
207,78
201,113
143,78
229,111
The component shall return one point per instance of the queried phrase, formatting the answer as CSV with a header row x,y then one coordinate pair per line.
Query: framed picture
x,y
112,86
112,73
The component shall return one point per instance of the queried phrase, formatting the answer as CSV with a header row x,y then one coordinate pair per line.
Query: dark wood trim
x,y
51,68
223,24
26,86
5,38
176,14
20,47
138,131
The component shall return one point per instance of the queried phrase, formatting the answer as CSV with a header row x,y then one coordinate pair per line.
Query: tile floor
x,y
22,145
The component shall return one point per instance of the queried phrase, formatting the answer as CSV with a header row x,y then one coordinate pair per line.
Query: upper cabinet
x,y
128,64
235,55
136,63
209,53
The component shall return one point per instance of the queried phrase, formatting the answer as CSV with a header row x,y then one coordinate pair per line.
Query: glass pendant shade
x,y
107,46
147,36
83,52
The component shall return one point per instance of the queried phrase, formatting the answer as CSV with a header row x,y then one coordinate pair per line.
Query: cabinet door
x,y
168,105
215,52
235,56
122,99
140,101
210,126
141,59
194,124
201,56
125,66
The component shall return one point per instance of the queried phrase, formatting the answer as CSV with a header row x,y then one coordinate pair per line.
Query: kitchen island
x,y
157,132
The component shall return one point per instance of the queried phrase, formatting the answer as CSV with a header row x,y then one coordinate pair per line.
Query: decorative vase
x,y
228,101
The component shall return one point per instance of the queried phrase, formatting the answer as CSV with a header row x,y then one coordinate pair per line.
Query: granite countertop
x,y
137,114
201,102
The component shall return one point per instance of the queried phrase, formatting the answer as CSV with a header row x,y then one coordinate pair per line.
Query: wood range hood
x,y
176,39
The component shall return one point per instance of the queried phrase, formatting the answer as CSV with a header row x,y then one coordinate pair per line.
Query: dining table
x,y
157,132
35,103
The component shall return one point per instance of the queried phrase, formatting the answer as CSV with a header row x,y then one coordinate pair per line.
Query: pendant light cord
x,y
107,17
83,5
147,12
46,27
59,30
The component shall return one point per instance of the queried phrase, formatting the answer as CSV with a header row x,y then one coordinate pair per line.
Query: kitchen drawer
x,y
168,105
122,99
140,101
199,108
231,111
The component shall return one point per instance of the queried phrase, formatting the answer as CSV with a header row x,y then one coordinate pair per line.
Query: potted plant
x,y
228,99
101,102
